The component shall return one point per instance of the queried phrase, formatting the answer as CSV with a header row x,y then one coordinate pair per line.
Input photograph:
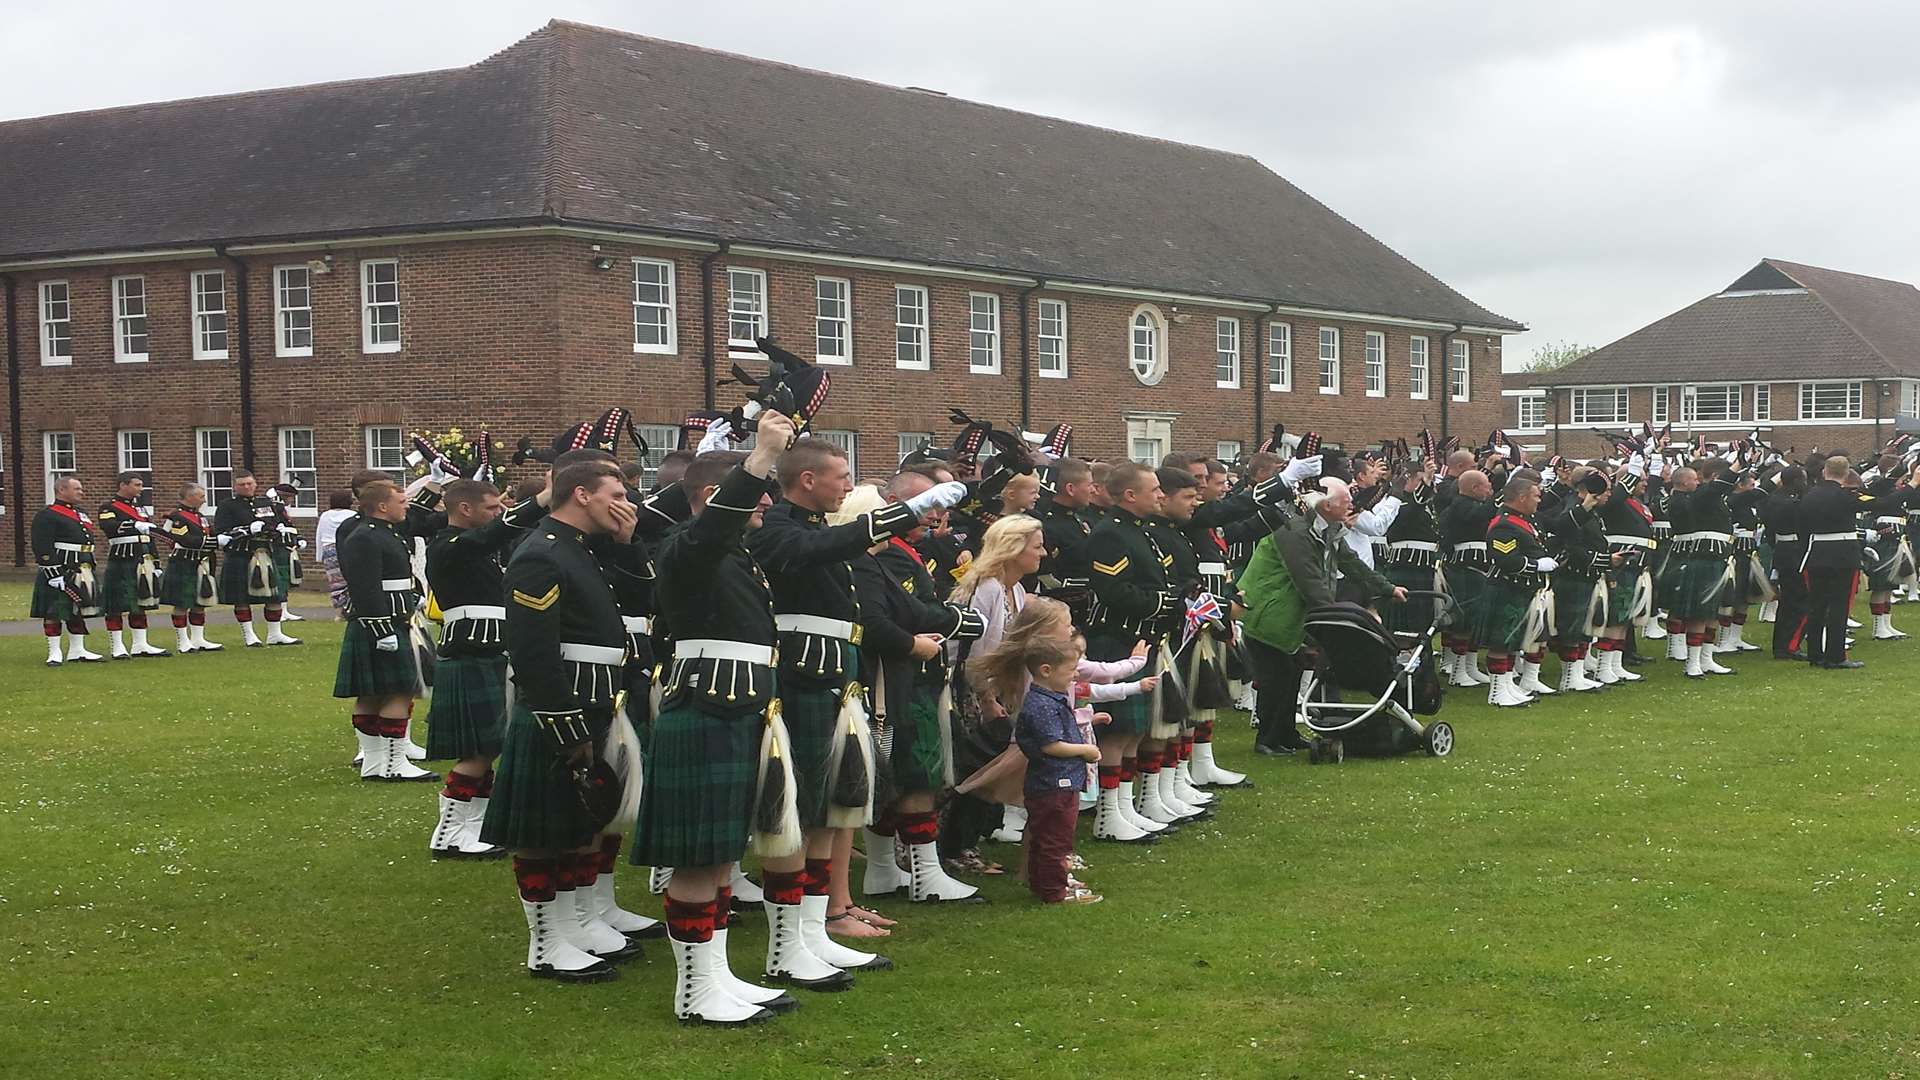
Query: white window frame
x,y
1419,367
1051,353
1149,438
661,440
1763,401
136,455
1329,362
129,324
204,461
906,442
285,314
1582,411
56,334
1374,364
1527,403
666,307
1280,357
1910,399
1155,342
1225,450
744,307
825,319
374,322
52,451
205,314
1226,353
1690,397
848,441
377,450
1810,399
1460,371
1661,411
983,333
306,502
918,334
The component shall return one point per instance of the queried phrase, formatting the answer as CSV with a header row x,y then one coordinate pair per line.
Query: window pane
x,y
1053,337
1280,356
983,332
293,299
653,327
1460,371
910,326
1376,361
381,296
1330,360
1226,352
215,450
746,306
832,319
384,452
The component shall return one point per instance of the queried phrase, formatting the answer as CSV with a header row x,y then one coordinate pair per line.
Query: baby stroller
x,y
1394,672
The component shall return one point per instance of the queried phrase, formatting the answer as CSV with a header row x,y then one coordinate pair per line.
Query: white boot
x,y
1656,626
53,651
1130,808
141,647
1013,825
1167,781
456,835
813,931
277,636
1617,662
1151,807
393,763
77,649
248,636
591,932
1853,624
1591,661
789,960
1709,665
550,953
1184,786
600,896
929,882
1601,668
700,996
764,996
744,889
658,878
1504,693
1740,642
1573,678
1444,665
413,750
1476,676
200,642
1677,648
183,640
1526,679
1769,610
1695,670
884,876
373,755
117,645
1883,629
1110,824
1216,776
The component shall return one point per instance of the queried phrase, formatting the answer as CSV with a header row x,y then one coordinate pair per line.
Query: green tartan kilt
x,y
233,582
1690,589
1622,581
1131,716
1468,587
918,761
1414,616
120,588
365,671
282,575
469,708
697,806
534,804
1572,598
810,713
180,584
1503,614
51,603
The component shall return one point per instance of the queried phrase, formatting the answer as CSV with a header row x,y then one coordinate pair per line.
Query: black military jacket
x,y
464,570
806,563
1514,546
1579,538
378,566
564,634
118,520
237,514
1132,592
1064,570
709,588
61,523
1465,521
187,529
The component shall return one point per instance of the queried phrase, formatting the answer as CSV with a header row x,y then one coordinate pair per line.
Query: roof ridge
x,y
1817,294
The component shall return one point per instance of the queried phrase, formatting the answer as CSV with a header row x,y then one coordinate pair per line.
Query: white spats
x,y
278,636
142,647
788,958
813,931
701,994
884,876
1526,678
550,955
929,882
1110,824
200,642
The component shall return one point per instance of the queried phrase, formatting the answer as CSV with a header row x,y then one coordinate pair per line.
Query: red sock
x,y
243,614
1740,617
1499,665
1186,748
609,856
690,920
1109,777
197,617
179,621
366,724
1694,639
273,614
1726,620
461,787
393,727
113,622
586,869
539,879
723,907
1129,766
1203,731
784,886
918,829
1880,609
137,621
817,872
77,627
50,627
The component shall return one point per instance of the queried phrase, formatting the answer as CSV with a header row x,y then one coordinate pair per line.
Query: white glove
x,y
303,545
56,583
287,531
715,438
1637,465
224,539
143,527
1658,466
1299,469
439,473
256,528
390,643
1548,475
938,497
1546,565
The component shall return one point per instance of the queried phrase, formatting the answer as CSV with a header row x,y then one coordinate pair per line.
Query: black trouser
x,y
1276,676
1829,594
1790,618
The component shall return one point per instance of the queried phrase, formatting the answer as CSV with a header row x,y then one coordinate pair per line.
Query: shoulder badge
x,y
537,603
907,585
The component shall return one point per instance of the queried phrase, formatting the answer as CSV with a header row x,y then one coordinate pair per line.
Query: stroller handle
x,y
1431,594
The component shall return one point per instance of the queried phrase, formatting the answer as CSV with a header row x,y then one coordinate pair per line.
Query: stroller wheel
x,y
1440,739
1314,753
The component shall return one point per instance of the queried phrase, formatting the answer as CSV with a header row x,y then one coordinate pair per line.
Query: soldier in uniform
x,y
1463,532
63,590
1884,552
1749,582
1780,516
1066,526
1830,530
1699,568
1171,707
1628,526
245,526
131,586
1579,583
1413,550
379,666
188,585
288,545
1515,597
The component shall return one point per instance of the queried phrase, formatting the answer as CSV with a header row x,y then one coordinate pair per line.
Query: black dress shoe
x,y
1846,665
1635,660
1272,751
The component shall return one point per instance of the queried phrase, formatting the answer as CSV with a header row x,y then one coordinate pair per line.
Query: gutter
x,y
245,359
17,448
1026,358
706,301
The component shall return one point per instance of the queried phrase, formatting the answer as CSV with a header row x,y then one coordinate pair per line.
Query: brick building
x,y
295,279
1811,357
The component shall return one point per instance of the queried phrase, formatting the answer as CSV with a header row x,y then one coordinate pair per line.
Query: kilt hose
x,y
1504,607
1468,587
180,584
917,756
535,805
120,589
702,767
1133,715
365,671
468,713
1691,589
1414,616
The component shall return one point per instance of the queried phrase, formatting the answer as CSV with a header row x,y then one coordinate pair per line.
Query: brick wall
x,y
1782,428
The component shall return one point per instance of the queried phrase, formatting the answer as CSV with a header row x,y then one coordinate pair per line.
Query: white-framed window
x,y
1762,401
1226,354
1707,403
1599,405
1660,413
1533,412
906,442
1149,438
56,324
1419,368
1910,399
1460,371
1053,339
1226,450
910,327
386,451
213,450
130,320
62,460
848,442
1280,357
655,322
292,311
1830,401
209,288
379,305
1329,360
1147,347
301,465
661,440
832,320
136,455
746,307
1376,364
983,333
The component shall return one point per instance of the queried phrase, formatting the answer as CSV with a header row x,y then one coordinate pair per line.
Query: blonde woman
x,y
1010,550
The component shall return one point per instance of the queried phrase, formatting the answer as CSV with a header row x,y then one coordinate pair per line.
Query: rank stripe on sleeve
x,y
1113,569
1505,547
537,603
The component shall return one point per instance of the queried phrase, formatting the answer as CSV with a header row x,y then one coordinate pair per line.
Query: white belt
x,y
124,541
1743,534
398,584
1217,569
1704,535
1414,545
1835,536
59,546
1625,540
1787,538
1913,513
1891,519
717,649
637,624
605,655
472,611
812,624
1471,545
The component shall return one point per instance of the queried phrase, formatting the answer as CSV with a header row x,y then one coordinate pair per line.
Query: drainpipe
x,y
18,499
1259,366
706,300
1026,358
1446,380
245,362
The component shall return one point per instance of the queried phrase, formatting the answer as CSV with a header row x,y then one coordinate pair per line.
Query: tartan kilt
x,y
534,804
1414,616
918,761
1622,582
1690,589
232,582
1503,614
120,588
51,603
1131,716
469,708
1468,587
365,671
1572,600
282,574
702,767
811,713
180,585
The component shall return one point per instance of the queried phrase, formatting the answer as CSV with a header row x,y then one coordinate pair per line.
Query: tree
x,y
1552,357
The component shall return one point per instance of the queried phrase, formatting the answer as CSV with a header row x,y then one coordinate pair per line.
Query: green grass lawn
x,y
1673,879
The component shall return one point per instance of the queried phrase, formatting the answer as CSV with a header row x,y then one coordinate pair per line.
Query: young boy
x,y
1058,754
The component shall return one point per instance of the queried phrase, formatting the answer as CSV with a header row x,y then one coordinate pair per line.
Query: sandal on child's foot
x,y
1075,862
871,918
1081,896
847,926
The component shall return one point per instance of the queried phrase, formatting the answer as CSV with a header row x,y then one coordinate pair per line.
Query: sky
x,y
1585,168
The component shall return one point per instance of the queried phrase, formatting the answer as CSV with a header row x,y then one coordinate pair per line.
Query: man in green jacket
x,y
1291,572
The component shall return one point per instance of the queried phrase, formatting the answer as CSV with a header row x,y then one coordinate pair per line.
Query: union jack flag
x,y
1201,610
